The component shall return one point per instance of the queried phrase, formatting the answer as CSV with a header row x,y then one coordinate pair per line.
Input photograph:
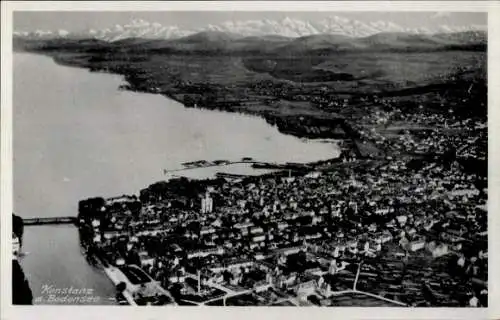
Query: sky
x,y
84,20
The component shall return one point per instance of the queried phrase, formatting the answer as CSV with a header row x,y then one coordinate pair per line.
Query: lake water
x,y
77,136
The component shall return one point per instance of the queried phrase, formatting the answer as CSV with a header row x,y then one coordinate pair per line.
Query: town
x,y
400,219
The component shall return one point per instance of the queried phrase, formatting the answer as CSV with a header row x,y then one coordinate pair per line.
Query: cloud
x,y
441,14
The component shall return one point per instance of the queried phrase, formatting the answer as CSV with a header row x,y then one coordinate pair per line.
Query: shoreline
x,y
304,125
275,114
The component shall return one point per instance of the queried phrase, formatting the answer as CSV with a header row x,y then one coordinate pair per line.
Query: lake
x,y
77,136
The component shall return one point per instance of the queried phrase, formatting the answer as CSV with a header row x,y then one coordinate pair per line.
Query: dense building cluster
x,y
410,232
423,134
399,219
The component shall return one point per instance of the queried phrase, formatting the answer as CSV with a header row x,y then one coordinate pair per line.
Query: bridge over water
x,y
49,220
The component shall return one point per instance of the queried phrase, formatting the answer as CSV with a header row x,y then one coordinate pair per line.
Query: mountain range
x,y
287,27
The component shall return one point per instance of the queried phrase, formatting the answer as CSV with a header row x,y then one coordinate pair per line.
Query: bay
x,y
77,136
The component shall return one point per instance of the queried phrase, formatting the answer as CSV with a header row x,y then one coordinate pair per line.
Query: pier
x,y
254,164
211,164
49,220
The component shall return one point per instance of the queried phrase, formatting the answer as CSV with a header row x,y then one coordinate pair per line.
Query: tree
x,y
194,227
120,287
133,258
304,220
227,276
90,208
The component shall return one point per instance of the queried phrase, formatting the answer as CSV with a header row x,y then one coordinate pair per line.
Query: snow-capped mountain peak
x,y
62,33
289,27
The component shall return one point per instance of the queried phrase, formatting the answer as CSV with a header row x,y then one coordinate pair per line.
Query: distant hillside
x,y
318,42
214,42
256,45
208,37
466,37
60,44
400,40
385,61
